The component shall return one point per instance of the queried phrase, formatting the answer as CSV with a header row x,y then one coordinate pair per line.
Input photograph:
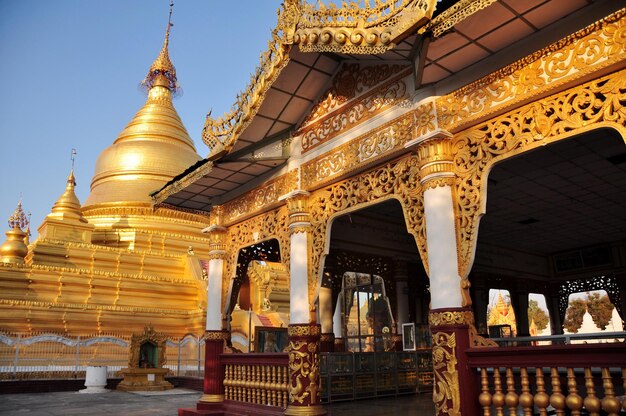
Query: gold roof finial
x,y
162,68
18,218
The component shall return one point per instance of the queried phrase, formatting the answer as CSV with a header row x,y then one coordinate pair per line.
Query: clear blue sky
x,y
70,73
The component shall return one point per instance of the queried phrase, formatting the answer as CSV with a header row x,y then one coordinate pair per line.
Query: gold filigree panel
x,y
596,104
351,80
597,46
446,390
398,179
272,224
354,154
353,28
355,112
259,198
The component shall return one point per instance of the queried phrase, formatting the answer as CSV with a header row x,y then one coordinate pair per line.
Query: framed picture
x,y
270,339
408,337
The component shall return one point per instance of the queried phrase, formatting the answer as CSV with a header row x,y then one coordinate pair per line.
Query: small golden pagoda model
x,y
145,364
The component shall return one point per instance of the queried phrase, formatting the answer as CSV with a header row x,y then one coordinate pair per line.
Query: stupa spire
x,y
13,250
162,71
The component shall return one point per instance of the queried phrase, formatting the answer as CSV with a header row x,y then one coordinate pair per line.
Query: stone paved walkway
x,y
121,403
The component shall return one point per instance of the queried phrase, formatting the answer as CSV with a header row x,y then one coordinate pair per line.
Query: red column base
x,y
304,370
455,386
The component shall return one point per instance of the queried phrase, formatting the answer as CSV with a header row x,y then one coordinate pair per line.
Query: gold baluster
x,y
226,383
257,383
273,386
498,397
238,378
591,402
262,384
557,400
248,389
542,400
485,397
526,398
285,386
610,403
511,398
242,389
574,401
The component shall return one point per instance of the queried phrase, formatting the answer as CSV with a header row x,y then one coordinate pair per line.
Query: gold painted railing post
x,y
557,400
610,403
485,397
574,401
511,399
526,398
498,397
542,400
591,402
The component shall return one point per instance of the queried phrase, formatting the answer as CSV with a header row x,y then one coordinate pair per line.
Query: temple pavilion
x,y
388,163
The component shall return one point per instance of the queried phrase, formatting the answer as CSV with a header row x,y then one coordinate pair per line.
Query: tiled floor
x,y
120,403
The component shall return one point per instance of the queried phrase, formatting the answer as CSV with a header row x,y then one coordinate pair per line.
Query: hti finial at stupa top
x,y
18,219
162,71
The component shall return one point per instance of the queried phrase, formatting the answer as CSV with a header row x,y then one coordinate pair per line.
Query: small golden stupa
x,y
115,263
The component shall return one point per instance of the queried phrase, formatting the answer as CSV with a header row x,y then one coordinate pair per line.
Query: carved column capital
x,y
434,151
298,207
217,241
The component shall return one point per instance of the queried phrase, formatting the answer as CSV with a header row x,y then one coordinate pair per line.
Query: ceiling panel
x,y
484,21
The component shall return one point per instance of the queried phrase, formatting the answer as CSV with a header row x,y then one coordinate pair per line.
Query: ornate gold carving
x,y
354,112
425,119
305,330
220,134
398,179
261,198
450,17
448,318
603,44
446,390
350,81
215,335
357,153
148,335
327,338
356,29
183,215
476,341
592,105
178,185
437,182
298,206
272,224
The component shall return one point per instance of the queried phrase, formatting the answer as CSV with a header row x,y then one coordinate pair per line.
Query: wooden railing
x,y
567,378
257,379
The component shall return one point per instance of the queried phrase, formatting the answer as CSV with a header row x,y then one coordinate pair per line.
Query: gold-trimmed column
x,y
215,335
437,176
304,333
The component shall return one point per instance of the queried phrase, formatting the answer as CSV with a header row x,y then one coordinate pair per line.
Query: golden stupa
x,y
117,263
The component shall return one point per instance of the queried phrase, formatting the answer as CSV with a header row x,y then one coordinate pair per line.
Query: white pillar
x,y
445,282
215,273
299,285
214,295
299,224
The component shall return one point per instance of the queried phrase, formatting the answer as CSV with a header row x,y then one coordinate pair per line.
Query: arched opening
x,y
259,299
554,219
376,279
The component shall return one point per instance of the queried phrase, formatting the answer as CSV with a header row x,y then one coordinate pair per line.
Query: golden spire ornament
x,y
162,71
13,250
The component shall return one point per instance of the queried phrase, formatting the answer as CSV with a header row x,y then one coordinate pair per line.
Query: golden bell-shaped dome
x,y
152,149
